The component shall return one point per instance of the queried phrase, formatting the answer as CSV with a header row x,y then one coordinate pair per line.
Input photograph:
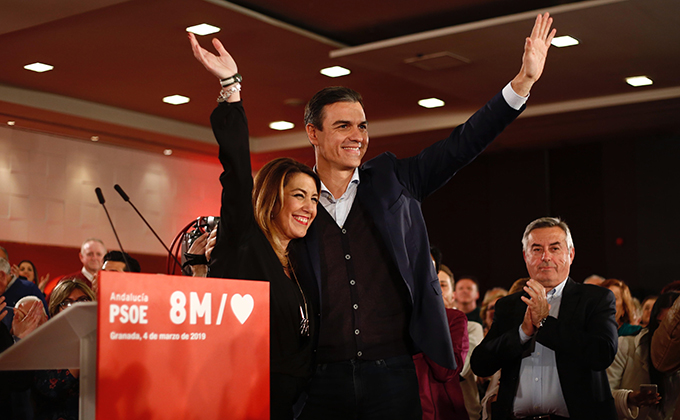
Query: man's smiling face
x,y
343,141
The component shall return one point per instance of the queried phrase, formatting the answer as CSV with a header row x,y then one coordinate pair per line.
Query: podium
x,y
67,341
158,346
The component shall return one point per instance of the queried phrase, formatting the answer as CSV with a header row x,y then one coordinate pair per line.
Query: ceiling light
x,y
431,103
176,99
203,29
10,122
281,125
38,67
94,138
335,71
639,81
564,41
167,152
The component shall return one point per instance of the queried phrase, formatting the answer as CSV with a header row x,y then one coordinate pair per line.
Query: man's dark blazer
x,y
583,337
391,191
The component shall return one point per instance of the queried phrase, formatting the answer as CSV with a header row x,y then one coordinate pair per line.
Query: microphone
x,y
100,197
170,254
122,194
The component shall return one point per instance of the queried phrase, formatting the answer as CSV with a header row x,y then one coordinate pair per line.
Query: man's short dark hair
x,y
118,257
437,257
314,111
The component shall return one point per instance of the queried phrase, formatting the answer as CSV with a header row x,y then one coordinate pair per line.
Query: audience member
x,y
28,305
467,294
91,255
57,391
488,308
29,314
554,341
15,288
27,270
116,261
446,283
632,367
468,382
436,255
666,346
493,383
518,285
594,280
675,285
647,306
441,396
13,384
625,310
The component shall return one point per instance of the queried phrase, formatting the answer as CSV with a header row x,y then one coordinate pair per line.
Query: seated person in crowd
x,y
27,270
632,367
14,288
116,261
489,305
120,261
625,309
467,293
91,255
666,346
56,392
441,396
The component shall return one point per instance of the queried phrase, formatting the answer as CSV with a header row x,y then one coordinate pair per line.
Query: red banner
x,y
172,347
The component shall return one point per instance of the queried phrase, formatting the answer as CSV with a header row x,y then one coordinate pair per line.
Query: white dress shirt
x,y
539,390
339,208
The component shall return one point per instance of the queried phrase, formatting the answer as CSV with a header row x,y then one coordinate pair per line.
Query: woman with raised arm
x,y
258,222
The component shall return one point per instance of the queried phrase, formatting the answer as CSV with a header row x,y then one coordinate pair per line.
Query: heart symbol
x,y
242,306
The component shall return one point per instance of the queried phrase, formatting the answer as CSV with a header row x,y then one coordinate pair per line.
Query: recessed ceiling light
x,y
281,125
431,103
94,138
10,123
564,41
176,99
38,67
167,152
203,29
335,71
639,81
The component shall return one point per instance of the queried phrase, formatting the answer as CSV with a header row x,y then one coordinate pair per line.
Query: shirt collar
x,y
557,290
355,180
87,274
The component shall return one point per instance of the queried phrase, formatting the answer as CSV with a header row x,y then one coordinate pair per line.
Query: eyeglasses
x,y
68,302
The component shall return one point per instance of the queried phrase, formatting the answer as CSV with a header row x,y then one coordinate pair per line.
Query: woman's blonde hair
x,y
489,296
62,291
628,306
268,196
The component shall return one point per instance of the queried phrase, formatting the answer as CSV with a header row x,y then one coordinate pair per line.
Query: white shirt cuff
x,y
512,98
523,338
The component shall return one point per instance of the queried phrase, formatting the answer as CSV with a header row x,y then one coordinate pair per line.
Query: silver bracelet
x,y
226,92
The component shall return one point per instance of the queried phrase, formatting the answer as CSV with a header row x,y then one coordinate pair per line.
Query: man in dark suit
x,y
365,259
554,341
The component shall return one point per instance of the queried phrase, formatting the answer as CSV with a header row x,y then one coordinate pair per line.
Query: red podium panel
x,y
173,347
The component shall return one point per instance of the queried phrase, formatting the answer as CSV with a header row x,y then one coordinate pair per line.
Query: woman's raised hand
x,y
221,66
